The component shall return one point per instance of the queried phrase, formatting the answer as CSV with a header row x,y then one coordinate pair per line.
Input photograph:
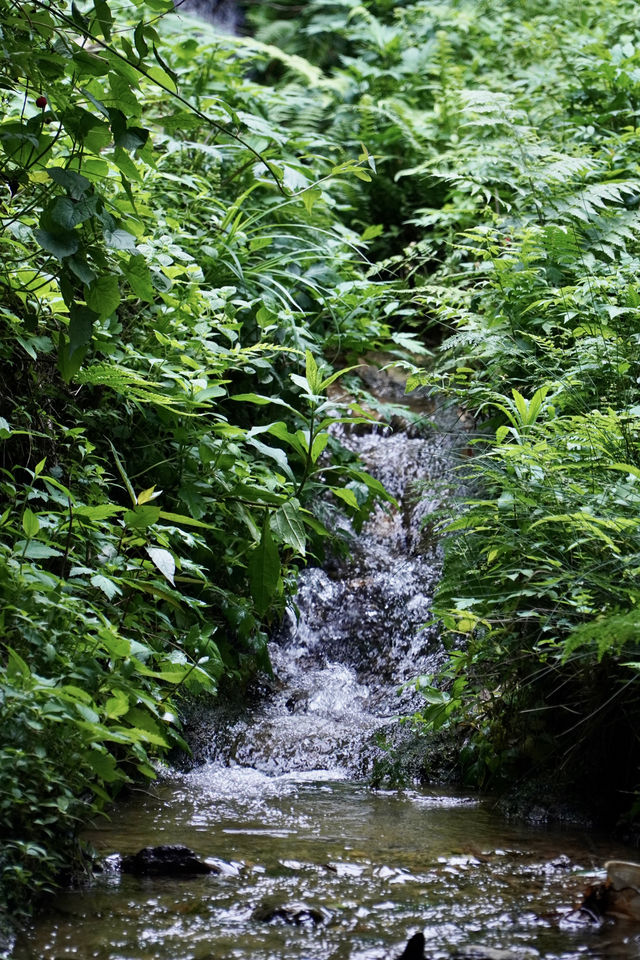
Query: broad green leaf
x,y
69,363
141,517
181,520
147,495
119,240
312,373
34,550
107,586
137,273
288,526
117,705
16,666
253,493
164,561
116,645
274,453
101,512
103,765
30,523
74,183
318,446
310,197
146,724
86,712
264,570
347,495
103,295
521,404
81,321
61,244
161,77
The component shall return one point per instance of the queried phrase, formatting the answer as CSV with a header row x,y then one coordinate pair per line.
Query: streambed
x,y
279,795
378,865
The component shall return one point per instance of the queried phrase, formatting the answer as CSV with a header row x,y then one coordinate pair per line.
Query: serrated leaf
x,y
34,550
288,526
108,587
117,705
145,725
87,713
103,765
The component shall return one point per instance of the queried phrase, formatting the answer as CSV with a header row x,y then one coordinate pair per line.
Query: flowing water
x,y
313,864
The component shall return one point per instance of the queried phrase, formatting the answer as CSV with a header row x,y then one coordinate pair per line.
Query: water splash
x,y
356,631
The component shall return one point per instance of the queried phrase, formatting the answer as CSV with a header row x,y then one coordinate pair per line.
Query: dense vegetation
x,y
172,274
507,195
189,227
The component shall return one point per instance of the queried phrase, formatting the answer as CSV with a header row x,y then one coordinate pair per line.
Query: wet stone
x,y
618,896
168,860
293,914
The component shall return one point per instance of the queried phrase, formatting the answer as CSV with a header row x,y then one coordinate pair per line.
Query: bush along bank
x,y
176,283
506,208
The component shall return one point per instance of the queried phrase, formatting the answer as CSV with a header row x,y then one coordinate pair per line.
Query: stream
x,y
313,863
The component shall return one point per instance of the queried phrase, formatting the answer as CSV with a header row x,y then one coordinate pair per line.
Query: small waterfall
x,y
357,631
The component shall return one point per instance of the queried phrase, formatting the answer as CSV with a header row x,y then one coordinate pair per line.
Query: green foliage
x,y
505,207
536,234
173,275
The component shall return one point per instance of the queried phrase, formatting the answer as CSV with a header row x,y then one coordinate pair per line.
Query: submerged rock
x,y
618,896
170,860
295,914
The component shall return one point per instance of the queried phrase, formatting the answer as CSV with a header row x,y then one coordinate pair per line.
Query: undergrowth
x,y
506,204
199,232
177,292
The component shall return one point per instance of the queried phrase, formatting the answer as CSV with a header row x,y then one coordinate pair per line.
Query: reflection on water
x,y
380,865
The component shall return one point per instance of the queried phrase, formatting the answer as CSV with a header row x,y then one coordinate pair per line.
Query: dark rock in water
x,y
170,860
618,896
295,914
414,949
